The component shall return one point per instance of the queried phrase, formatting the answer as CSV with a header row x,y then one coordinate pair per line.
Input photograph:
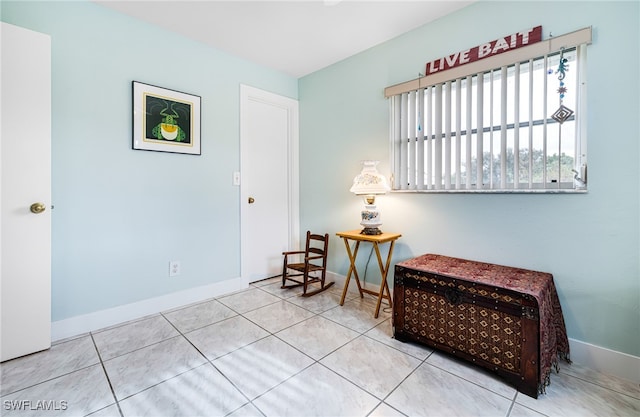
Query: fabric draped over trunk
x,y
554,343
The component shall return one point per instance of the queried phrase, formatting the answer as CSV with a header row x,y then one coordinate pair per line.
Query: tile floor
x,y
268,352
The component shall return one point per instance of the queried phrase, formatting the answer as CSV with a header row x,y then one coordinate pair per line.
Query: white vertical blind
x,y
480,130
428,122
447,135
404,169
516,131
503,127
411,164
544,128
469,143
530,162
420,140
465,134
396,136
437,137
458,134
491,125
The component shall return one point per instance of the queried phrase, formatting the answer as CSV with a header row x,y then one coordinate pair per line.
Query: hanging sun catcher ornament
x,y
563,113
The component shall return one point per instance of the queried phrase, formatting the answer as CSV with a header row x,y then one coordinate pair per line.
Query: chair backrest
x,y
317,245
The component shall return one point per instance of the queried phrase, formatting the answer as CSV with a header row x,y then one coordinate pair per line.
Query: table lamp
x,y
369,183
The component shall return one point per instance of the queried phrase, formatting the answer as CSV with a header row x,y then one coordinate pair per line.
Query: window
x,y
492,128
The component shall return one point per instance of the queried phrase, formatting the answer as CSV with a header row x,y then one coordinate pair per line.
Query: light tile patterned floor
x,y
269,352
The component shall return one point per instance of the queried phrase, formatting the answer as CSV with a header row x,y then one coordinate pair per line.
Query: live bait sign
x,y
517,40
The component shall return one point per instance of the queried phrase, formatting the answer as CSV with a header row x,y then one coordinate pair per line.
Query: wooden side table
x,y
376,240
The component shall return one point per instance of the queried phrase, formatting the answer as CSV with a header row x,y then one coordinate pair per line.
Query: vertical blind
x,y
486,126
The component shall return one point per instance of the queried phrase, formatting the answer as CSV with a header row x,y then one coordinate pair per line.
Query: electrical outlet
x,y
174,268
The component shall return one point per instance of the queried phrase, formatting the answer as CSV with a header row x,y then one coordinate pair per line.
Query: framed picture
x,y
165,120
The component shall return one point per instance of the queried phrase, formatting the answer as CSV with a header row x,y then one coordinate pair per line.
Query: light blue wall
x,y
589,242
121,215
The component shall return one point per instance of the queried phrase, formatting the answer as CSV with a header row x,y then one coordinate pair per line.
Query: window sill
x,y
513,191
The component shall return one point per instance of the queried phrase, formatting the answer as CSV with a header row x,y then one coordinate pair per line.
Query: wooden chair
x,y
315,262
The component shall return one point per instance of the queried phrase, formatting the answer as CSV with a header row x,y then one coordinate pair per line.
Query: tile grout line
x,y
124,323
475,383
95,346
600,385
142,347
315,361
51,378
48,379
278,338
210,362
513,403
246,290
422,361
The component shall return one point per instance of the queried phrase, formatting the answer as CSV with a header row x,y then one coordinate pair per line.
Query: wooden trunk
x,y
493,327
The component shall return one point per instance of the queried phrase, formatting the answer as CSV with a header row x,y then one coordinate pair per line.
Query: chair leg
x,y
308,280
284,272
319,290
286,276
305,279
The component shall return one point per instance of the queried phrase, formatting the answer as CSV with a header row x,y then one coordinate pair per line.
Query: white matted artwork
x,y
165,120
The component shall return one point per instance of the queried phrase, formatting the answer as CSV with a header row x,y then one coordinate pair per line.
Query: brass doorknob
x,y
252,200
37,208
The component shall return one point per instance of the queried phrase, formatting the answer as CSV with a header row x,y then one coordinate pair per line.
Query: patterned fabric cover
x,y
554,343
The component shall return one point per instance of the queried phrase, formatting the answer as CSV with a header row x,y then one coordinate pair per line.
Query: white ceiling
x,y
297,37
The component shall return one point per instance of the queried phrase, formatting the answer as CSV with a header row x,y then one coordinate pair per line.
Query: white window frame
x,y
417,169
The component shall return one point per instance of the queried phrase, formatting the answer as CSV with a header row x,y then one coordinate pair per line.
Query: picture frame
x,y
165,120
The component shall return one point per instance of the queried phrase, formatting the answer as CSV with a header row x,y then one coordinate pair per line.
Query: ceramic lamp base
x,y
371,231
370,220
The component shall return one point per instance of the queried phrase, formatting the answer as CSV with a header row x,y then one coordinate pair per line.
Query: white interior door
x,y
25,179
269,181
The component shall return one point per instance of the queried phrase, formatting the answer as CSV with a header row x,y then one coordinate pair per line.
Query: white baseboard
x,y
340,279
605,360
594,357
77,325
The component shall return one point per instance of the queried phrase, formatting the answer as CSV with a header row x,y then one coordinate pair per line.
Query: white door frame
x,y
247,94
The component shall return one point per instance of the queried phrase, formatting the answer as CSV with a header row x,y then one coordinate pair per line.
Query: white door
x,y
25,171
269,181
